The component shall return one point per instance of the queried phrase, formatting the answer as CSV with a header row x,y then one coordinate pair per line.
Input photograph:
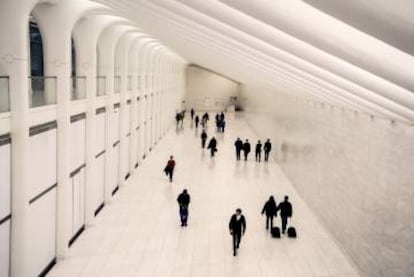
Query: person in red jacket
x,y
169,169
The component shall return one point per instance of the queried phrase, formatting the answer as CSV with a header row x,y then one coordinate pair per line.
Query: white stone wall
x,y
355,171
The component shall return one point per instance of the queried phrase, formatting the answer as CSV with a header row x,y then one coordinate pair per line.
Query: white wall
x,y
5,190
354,171
42,216
207,90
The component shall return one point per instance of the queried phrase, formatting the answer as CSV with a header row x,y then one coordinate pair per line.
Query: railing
x,y
100,86
42,91
4,94
129,83
117,84
78,88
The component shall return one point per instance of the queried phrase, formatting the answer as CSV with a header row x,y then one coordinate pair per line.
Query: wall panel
x,y
5,248
42,180
354,170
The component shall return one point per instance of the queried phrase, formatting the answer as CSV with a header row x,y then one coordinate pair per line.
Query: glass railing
x,y
100,86
129,83
4,94
117,84
42,91
77,88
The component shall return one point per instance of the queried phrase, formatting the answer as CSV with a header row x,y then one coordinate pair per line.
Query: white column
x,y
106,43
14,32
86,34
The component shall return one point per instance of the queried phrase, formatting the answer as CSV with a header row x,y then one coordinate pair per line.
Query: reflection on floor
x,y
139,233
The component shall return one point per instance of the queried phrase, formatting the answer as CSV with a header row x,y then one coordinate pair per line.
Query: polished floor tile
x,y
138,234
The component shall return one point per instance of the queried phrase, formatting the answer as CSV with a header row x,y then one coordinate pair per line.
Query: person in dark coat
x,y
197,120
212,145
178,118
267,147
203,138
285,212
246,149
218,122
258,151
223,125
237,226
222,117
239,146
169,169
183,202
192,113
270,209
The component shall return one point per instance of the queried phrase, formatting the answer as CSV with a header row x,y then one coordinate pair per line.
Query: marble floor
x,y
139,233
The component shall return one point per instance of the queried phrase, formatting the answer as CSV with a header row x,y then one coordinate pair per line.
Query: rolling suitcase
x,y
275,231
291,232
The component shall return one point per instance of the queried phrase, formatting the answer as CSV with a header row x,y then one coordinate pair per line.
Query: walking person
x,y
270,209
267,147
237,226
203,138
239,147
169,169
183,202
246,149
212,145
285,212
222,116
258,151
178,118
192,113
197,120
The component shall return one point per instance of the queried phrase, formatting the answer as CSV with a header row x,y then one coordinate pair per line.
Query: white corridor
x,y
139,233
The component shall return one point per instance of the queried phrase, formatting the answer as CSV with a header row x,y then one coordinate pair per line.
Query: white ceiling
x,y
351,53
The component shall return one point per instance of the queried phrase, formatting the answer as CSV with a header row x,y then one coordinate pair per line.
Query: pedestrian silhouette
x,y
212,145
267,147
258,151
270,209
203,138
285,212
192,113
239,146
197,120
183,202
169,169
237,226
246,149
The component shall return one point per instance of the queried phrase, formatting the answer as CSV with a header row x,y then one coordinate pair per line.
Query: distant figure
x,y
169,169
246,149
205,118
178,118
237,226
258,151
222,125
212,145
183,202
222,117
197,120
203,138
192,113
239,146
267,147
270,208
285,212
218,122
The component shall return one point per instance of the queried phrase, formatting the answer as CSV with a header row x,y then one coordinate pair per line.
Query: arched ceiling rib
x,y
224,39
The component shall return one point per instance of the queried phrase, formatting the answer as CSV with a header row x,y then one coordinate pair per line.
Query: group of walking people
x,y
220,122
246,148
237,223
